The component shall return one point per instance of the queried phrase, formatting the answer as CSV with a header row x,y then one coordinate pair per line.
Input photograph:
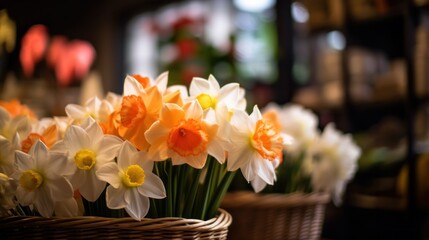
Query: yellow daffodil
x,y
131,181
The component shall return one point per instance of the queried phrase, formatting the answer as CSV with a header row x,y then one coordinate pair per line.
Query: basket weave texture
x,y
19,227
275,216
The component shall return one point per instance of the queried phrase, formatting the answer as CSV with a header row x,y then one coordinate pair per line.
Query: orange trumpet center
x,y
133,111
188,138
266,140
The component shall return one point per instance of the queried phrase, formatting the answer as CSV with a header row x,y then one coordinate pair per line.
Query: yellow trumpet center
x,y
30,180
206,101
133,176
85,159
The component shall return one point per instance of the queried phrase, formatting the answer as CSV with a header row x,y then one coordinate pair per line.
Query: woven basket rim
x,y
222,221
245,199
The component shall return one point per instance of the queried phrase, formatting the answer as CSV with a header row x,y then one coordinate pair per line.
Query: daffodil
x,y
183,135
131,181
298,122
256,144
7,156
14,128
40,174
46,130
90,109
209,94
88,148
7,194
139,109
332,161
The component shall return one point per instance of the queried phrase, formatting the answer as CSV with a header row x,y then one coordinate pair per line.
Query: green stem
x,y
192,193
220,193
208,186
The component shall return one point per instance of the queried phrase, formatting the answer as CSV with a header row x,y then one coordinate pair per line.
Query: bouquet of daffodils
x,y
154,151
314,161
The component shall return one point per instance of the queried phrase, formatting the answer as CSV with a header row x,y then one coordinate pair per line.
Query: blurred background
x,y
362,64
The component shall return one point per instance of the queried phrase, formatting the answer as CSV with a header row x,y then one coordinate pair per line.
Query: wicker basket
x,y
275,216
114,228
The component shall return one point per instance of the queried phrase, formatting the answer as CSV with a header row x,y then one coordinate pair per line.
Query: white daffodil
x,y
7,194
41,179
98,109
131,181
88,148
297,122
332,161
14,128
209,94
256,144
7,156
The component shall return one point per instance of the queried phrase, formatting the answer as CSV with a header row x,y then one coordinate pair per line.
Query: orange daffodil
x,y
183,135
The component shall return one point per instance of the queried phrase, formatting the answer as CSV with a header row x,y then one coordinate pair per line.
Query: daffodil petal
x,y
229,94
109,173
92,188
125,154
193,110
213,83
115,198
109,147
161,81
75,111
132,86
199,85
24,197
153,187
23,160
39,151
44,202
60,188
66,208
138,206
258,184
76,139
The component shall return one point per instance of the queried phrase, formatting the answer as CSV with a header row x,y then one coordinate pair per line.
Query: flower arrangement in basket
x,y
315,168
154,152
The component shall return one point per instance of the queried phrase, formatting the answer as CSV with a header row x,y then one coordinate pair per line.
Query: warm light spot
x,y
27,143
206,101
85,159
133,176
266,140
144,81
30,180
188,138
133,111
